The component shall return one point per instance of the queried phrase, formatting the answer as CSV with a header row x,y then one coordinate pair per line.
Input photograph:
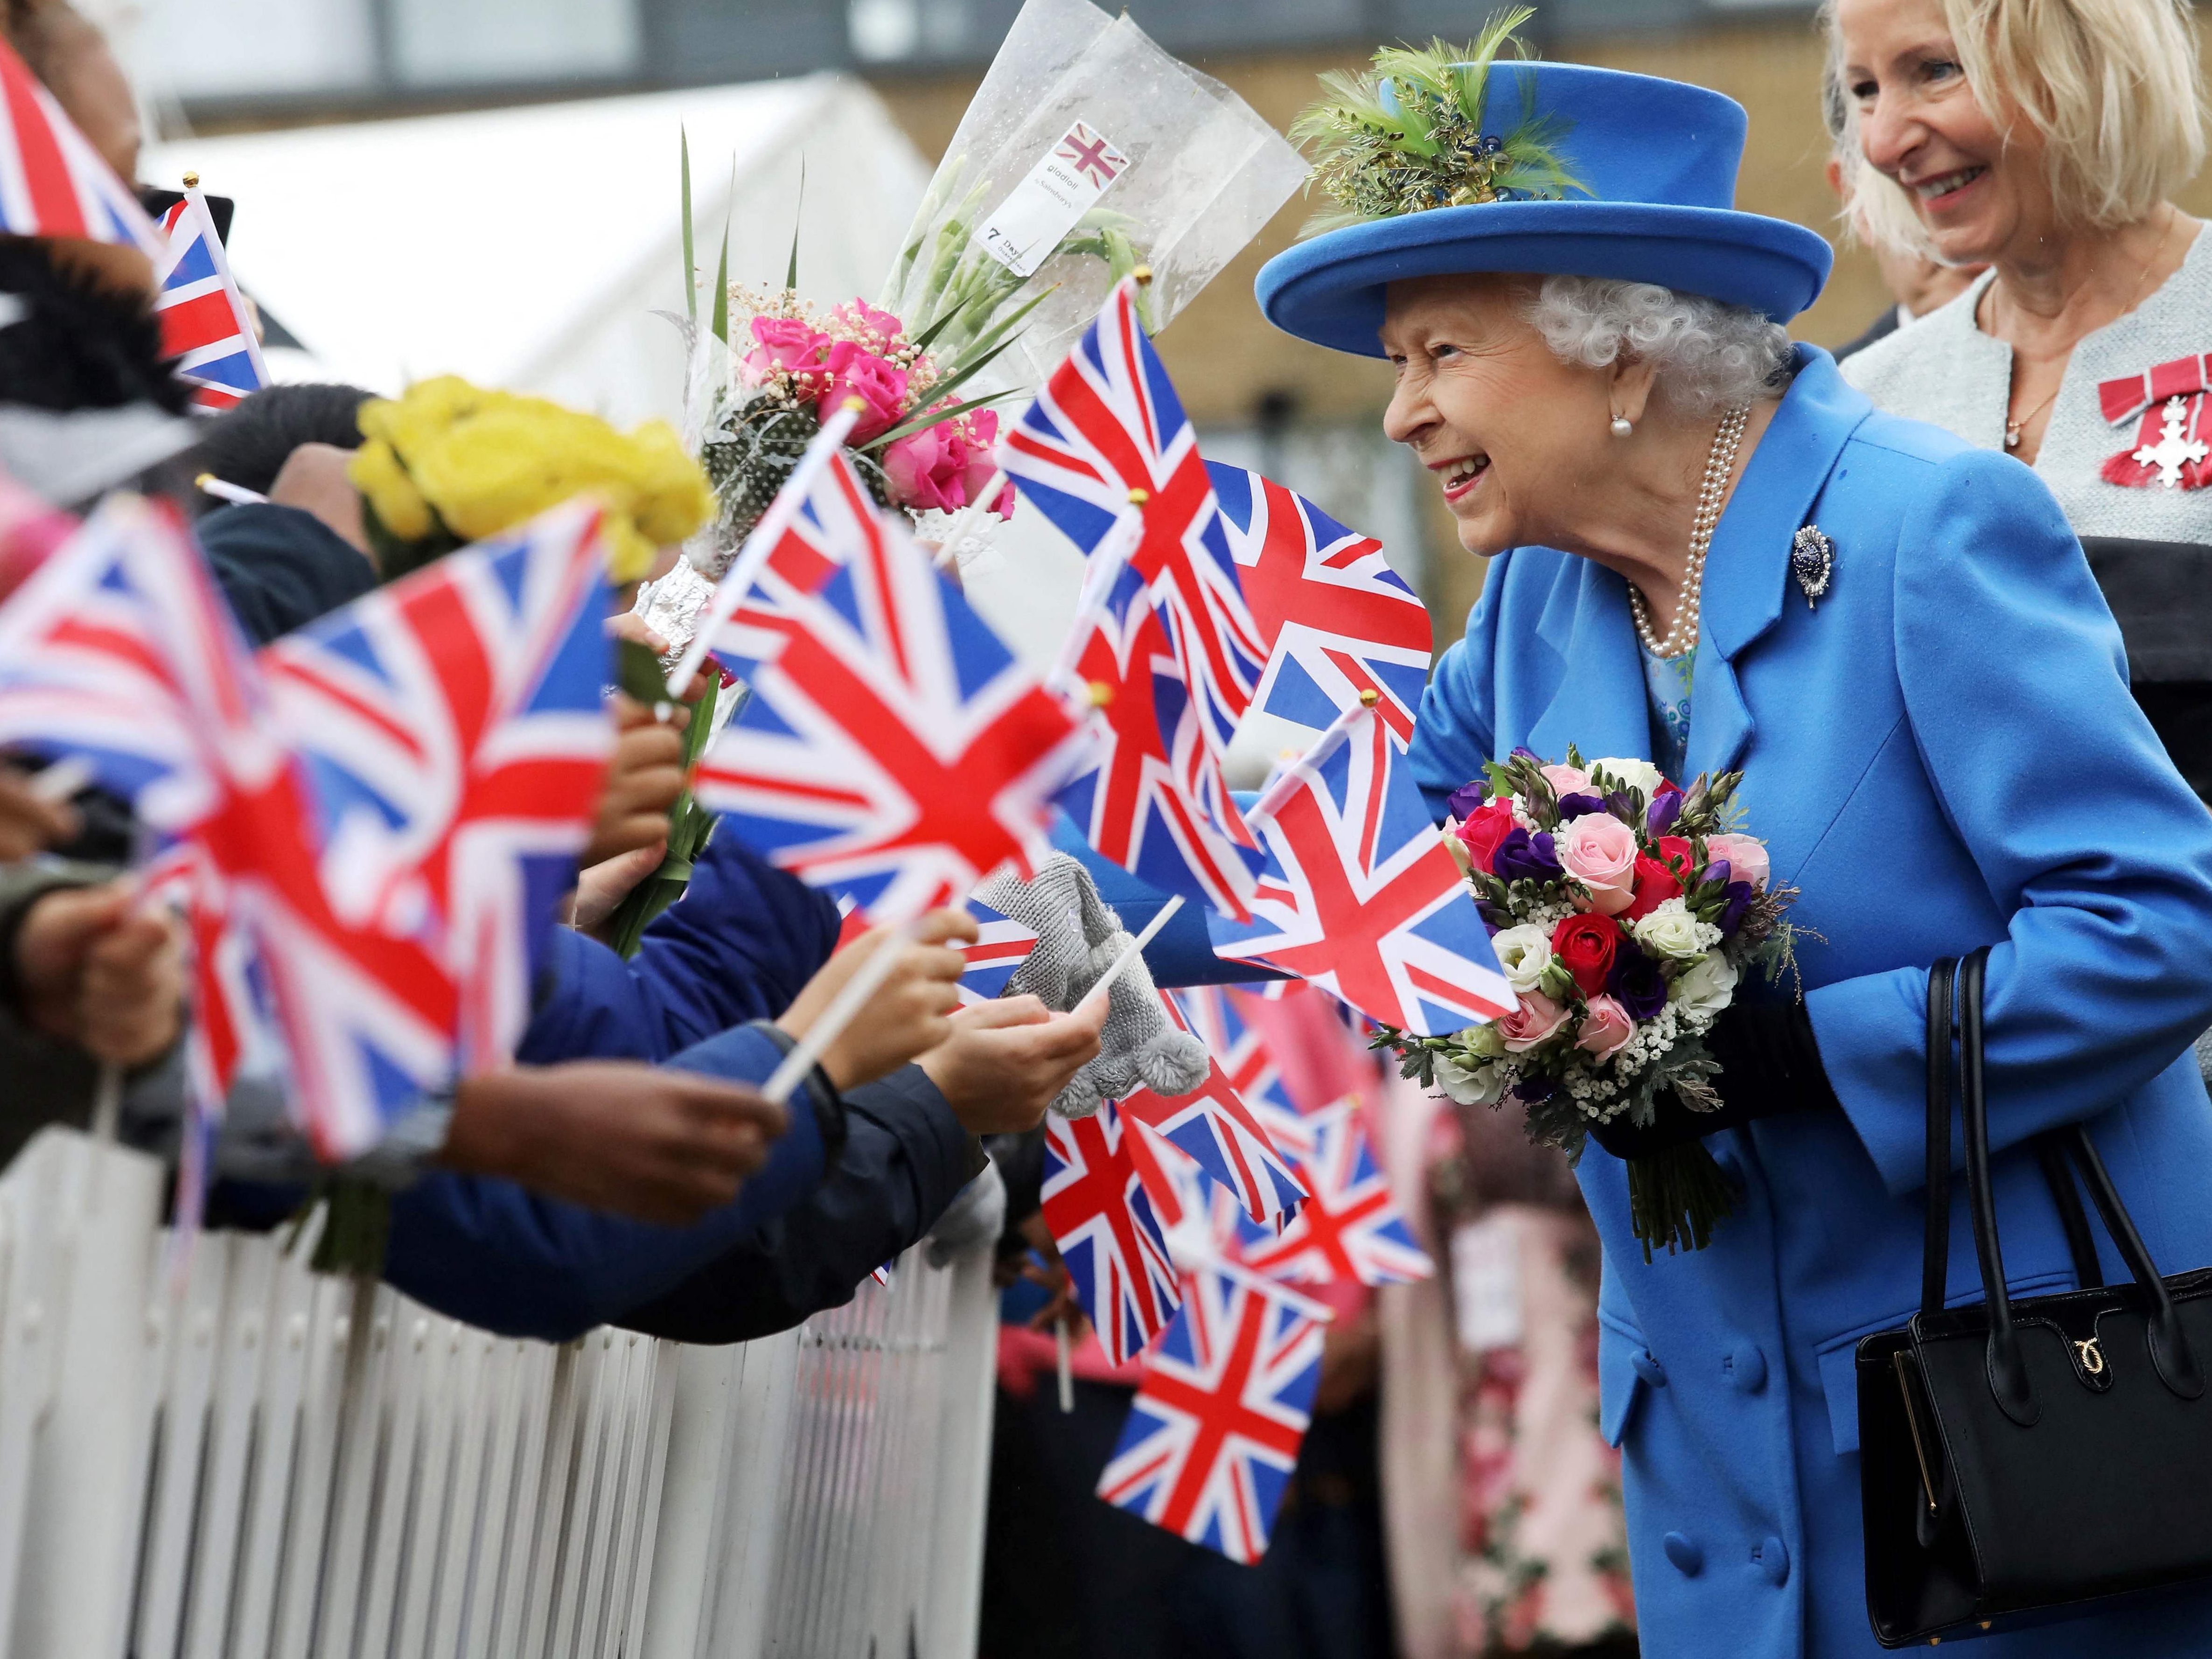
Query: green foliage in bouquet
x,y
690,825
1406,134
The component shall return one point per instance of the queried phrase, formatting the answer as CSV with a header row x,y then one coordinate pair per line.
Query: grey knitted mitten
x,y
1078,938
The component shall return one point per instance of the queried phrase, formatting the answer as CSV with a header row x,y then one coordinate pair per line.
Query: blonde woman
x,y
2047,138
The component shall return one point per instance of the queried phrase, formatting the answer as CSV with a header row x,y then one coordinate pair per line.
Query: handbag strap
x,y
2007,1370
2169,1346
2073,1219
1935,1240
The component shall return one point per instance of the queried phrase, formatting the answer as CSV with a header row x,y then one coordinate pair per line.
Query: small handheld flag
x,y
206,325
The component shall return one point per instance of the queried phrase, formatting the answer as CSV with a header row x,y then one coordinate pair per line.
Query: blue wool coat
x,y
1942,755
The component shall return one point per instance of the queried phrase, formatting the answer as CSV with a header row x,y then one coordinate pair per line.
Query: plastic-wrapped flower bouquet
x,y
1627,911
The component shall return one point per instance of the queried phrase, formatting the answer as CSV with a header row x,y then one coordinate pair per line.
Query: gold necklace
x,y
1720,462
2013,427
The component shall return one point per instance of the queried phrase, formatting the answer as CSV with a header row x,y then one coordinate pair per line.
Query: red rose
x,y
1584,945
1655,884
1484,828
1675,850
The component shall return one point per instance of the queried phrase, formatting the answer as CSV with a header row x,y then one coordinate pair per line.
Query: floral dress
x,y
1542,1566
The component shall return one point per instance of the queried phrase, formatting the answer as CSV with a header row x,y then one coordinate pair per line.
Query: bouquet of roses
x,y
1625,910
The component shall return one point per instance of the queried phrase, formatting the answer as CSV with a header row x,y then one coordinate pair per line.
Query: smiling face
x,y
1979,192
1503,427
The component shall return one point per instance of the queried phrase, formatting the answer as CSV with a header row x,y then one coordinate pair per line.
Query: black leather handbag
x,y
2022,1461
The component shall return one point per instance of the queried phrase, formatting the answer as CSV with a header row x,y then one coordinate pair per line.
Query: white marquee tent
x,y
528,247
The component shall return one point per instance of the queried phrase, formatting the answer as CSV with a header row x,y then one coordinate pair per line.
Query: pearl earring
x,y
1621,428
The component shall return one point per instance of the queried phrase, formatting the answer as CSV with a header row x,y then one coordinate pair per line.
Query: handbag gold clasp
x,y
2093,1357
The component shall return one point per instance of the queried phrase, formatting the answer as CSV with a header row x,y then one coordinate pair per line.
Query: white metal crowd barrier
x,y
262,1464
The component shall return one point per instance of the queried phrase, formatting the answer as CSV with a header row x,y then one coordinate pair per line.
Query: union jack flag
x,y
1163,636
1093,157
53,182
1360,896
1213,1433
365,1018
454,730
836,516
893,748
1001,947
1216,1129
1247,1063
1337,620
1100,1216
205,326
1350,1226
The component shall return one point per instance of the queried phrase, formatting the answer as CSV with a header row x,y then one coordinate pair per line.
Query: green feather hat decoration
x,y
1406,134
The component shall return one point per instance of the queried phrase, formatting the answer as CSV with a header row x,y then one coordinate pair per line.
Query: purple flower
x,y
1524,857
1636,984
1666,807
1533,1088
1622,805
1579,806
1739,895
1527,753
1462,801
1717,870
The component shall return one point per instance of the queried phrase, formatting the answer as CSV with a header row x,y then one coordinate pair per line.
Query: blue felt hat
x,y
1659,159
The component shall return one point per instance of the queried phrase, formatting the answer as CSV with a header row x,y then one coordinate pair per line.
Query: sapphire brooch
x,y
1813,562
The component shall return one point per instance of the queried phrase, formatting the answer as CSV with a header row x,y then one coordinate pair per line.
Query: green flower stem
x,y
1676,1197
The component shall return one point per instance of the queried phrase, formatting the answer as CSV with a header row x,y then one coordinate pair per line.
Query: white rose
x,y
1482,1041
1632,774
1707,988
1470,1085
1671,932
1523,953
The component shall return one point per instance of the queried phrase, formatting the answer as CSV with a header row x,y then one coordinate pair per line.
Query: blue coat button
x,y
1771,1560
1688,1558
1745,1367
1648,1367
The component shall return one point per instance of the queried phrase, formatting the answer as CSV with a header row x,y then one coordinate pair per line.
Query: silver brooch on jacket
x,y
1813,562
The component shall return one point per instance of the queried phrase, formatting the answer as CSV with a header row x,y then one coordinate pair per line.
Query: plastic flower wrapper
x,y
448,463
1185,174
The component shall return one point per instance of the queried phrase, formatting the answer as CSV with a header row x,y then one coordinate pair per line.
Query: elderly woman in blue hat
x,y
1709,552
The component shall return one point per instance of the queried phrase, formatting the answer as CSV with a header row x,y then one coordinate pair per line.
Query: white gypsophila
x,y
1546,914
1707,988
1633,774
1650,1042
1470,1085
1523,953
1709,355
1671,932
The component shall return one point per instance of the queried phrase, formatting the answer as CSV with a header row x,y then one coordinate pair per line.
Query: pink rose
x,y
980,440
861,317
1599,851
1566,779
1537,1019
1606,1028
879,384
1746,858
924,472
785,342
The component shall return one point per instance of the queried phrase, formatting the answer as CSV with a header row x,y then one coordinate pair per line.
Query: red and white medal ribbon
x,y
2171,450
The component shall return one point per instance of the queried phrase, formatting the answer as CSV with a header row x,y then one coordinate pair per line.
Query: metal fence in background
x,y
259,1463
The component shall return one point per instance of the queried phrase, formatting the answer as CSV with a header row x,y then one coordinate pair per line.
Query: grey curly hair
x,y
1709,355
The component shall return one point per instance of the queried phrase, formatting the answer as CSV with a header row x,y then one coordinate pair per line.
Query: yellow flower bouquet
x,y
449,462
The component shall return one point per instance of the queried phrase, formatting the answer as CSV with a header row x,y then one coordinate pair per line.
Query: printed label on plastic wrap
x,y
1486,1272
1066,183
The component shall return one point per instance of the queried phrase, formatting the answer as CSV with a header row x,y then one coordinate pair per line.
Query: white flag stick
x,y
61,781
1285,785
1067,1368
841,1012
733,587
1131,952
966,521
208,484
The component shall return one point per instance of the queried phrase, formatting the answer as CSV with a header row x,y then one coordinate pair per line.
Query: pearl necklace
x,y
1682,637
